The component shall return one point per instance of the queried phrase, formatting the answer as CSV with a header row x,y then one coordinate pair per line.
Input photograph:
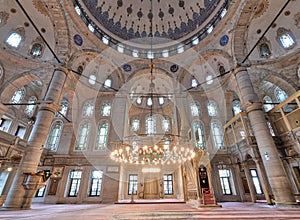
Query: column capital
x,y
61,69
239,69
53,107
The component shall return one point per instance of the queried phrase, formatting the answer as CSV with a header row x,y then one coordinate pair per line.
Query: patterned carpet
x,y
169,211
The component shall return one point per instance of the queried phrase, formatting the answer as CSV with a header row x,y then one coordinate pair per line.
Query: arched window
x,y
212,108
236,107
63,108
194,83
280,94
264,50
195,109
286,38
199,138
222,70
18,96
166,125
36,50
268,107
106,109
82,139
150,125
92,79
102,136
135,124
88,109
107,83
54,135
14,39
217,133
29,110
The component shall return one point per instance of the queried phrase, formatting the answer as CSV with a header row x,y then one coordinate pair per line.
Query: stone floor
x,y
231,210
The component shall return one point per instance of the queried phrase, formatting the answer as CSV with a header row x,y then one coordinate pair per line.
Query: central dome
x,y
161,24
172,19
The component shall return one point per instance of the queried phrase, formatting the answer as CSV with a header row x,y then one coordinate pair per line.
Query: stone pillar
x,y
273,166
16,198
239,182
250,182
263,181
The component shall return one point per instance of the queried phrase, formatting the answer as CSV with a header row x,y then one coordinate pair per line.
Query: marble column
x,y
239,182
16,198
267,149
250,182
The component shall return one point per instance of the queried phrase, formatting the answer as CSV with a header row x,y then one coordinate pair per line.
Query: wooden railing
x,y
237,130
285,117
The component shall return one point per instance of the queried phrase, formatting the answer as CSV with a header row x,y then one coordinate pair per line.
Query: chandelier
x,y
164,151
152,148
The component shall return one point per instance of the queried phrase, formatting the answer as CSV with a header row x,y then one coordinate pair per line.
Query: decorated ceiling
x,y
169,19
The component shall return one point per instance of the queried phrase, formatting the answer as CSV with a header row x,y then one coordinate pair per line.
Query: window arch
x,y
280,94
217,133
236,107
64,106
264,50
54,135
150,125
36,50
108,83
29,110
14,39
268,107
166,124
212,108
199,138
194,83
286,38
92,79
195,109
106,109
102,135
88,109
135,124
83,134
222,70
18,96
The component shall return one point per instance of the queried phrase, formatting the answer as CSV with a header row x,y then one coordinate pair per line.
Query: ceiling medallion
x,y
78,40
224,40
126,67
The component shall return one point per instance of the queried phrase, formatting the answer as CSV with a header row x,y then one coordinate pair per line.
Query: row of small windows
x,y
82,137
74,182
209,78
84,133
19,96
212,109
286,40
15,38
280,96
150,54
151,124
216,131
88,109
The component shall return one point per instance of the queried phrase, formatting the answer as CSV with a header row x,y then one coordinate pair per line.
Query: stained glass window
x,y
212,108
102,136
54,135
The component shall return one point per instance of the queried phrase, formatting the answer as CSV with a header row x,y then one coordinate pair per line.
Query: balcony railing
x,y
285,117
238,129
